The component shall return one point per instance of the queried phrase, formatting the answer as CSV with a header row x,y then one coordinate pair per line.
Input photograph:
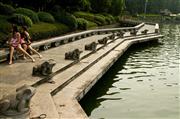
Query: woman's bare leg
x,y
24,46
11,54
24,52
40,56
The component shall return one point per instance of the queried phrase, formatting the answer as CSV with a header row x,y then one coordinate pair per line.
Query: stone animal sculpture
x,y
112,37
133,32
92,46
73,55
18,102
144,31
121,34
103,41
45,68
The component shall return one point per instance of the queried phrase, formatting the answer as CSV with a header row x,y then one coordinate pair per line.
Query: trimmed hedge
x,y
27,12
98,19
46,17
20,19
47,30
82,23
91,24
87,16
110,17
6,9
66,18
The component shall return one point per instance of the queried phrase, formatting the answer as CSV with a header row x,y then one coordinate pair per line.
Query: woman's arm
x,y
18,36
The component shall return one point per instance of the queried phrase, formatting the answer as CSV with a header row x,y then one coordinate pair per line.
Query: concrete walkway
x,y
58,100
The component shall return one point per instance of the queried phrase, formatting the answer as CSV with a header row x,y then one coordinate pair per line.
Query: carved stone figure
x,y
144,31
112,37
92,46
103,41
18,102
73,55
45,68
120,34
134,32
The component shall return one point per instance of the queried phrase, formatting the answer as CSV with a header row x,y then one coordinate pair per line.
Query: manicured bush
x,y
47,30
82,23
46,17
178,17
27,12
20,19
87,16
66,18
100,18
5,26
91,24
96,18
6,9
109,17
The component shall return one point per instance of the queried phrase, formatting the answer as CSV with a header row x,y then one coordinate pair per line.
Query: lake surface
x,y
143,84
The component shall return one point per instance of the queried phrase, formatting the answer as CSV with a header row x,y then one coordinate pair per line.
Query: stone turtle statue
x,y
145,31
112,37
92,46
133,32
103,41
121,34
17,103
44,69
73,55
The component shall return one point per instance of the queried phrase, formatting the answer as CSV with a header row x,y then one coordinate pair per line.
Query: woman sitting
x,y
27,40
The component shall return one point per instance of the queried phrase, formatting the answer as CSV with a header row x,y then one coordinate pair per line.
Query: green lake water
x,y
143,84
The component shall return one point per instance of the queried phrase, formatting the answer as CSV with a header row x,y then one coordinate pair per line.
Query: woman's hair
x,y
15,29
24,28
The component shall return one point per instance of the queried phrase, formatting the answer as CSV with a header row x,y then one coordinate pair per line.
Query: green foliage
x,y
74,5
100,19
178,17
109,17
20,19
27,12
5,28
82,23
47,30
64,17
99,6
6,9
117,7
96,18
91,24
46,17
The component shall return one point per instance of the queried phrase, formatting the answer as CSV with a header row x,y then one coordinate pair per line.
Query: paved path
x,y
14,76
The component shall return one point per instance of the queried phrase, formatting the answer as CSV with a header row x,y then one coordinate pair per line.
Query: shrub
x,y
66,18
6,9
109,17
91,24
20,19
27,12
100,18
5,26
97,18
178,17
82,23
47,30
45,17
87,16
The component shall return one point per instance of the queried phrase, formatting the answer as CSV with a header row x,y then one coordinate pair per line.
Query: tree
x,y
117,7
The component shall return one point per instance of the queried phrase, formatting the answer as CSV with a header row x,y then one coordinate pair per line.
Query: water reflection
x,y
143,83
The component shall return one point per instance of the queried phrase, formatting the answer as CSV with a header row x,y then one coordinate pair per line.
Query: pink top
x,y
14,42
